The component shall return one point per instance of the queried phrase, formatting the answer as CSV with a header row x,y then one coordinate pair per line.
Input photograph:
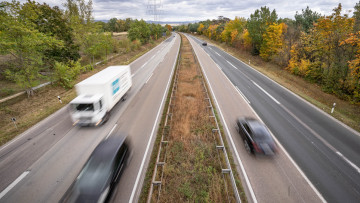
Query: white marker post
x,y
249,61
332,109
59,99
14,121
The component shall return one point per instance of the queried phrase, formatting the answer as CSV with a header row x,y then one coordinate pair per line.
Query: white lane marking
x,y
110,132
148,78
232,65
141,67
349,162
13,184
326,143
242,95
310,104
266,92
217,53
152,133
230,137
280,145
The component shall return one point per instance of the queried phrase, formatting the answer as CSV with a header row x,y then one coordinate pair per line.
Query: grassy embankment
x,y
192,171
344,111
29,111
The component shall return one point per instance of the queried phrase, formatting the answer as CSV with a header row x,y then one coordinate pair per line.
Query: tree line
x,y
322,49
44,42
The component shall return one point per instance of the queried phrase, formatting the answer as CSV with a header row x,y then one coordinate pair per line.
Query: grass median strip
x,y
193,166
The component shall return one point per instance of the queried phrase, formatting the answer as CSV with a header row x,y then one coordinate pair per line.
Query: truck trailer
x,y
98,94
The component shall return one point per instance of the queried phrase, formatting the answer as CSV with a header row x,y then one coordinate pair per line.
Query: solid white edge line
x,y
242,95
299,97
52,115
282,148
152,132
107,136
13,184
231,140
149,78
266,92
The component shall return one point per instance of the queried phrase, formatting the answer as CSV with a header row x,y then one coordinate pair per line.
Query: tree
x,y
356,16
139,30
306,19
193,27
236,24
321,55
50,21
25,43
113,25
273,41
353,82
168,27
201,28
257,25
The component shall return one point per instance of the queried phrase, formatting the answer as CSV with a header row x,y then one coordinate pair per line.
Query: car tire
x,y
247,147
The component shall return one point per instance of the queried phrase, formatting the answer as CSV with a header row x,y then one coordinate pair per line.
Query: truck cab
x,y
88,109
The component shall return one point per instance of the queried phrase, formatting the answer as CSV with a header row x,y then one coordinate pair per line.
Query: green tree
x,y
193,27
356,16
50,21
257,25
139,30
20,38
66,73
306,19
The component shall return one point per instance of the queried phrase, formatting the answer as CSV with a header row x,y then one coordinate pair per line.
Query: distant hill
x,y
172,23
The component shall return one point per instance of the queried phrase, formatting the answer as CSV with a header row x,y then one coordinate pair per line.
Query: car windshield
x,y
83,107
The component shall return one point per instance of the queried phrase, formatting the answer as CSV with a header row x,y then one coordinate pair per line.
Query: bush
x,y
65,74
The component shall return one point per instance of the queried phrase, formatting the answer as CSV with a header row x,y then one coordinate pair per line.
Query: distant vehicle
x,y
256,136
100,173
98,94
204,43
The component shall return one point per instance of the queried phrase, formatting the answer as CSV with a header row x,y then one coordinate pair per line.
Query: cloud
x,y
188,10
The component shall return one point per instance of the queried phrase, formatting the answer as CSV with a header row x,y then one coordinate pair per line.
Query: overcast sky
x,y
190,10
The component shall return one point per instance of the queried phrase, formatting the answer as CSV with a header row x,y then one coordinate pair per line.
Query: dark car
x,y
204,43
256,136
100,173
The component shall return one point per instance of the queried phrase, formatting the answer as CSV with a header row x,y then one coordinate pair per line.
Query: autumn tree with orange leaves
x,y
273,41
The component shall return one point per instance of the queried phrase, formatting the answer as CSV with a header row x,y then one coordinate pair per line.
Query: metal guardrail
x,y
161,156
226,171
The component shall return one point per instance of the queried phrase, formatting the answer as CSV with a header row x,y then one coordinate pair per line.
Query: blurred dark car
x,y
204,43
256,136
100,173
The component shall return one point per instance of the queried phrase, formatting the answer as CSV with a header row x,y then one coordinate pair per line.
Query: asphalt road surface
x,y
40,164
324,149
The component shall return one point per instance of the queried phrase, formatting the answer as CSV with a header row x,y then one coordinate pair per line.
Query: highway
x,y
40,164
326,151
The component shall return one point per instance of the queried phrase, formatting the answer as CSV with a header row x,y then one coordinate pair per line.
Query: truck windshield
x,y
83,107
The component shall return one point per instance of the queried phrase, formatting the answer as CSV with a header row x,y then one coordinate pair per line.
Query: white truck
x,y
98,94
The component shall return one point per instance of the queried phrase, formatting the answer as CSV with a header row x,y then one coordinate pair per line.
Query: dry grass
x,y
344,111
29,111
192,171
